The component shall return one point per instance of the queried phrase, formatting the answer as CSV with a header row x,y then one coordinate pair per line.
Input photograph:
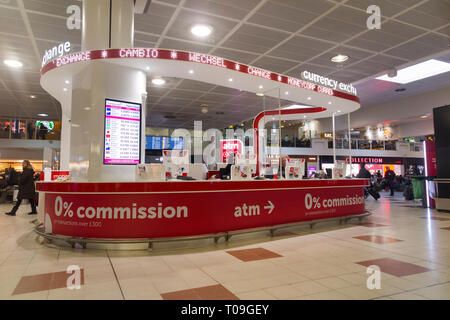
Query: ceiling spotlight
x,y
147,68
33,96
201,30
204,109
13,63
191,71
339,58
423,117
65,89
158,81
42,115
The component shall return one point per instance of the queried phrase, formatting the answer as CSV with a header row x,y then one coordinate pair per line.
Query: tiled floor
x,y
410,245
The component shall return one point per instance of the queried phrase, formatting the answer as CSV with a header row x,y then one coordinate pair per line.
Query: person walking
x,y
26,189
389,176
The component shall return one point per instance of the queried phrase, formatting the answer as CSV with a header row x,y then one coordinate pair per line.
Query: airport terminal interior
x,y
224,150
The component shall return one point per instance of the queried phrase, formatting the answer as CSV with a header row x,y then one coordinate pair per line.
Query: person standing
x,y
26,189
389,176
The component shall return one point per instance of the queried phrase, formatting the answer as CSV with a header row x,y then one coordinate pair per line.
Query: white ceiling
x,y
285,36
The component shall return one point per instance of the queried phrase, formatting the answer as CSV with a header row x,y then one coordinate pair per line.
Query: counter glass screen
x,y
122,132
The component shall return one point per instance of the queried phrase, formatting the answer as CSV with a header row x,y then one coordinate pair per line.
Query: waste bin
x,y
418,183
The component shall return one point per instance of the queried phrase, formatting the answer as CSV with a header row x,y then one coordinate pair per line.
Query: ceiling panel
x,y
407,34
234,9
388,8
181,28
256,39
282,17
155,20
49,28
273,64
313,6
240,56
53,7
436,8
11,22
421,19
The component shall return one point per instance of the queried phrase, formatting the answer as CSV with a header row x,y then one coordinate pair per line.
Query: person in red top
x,y
389,177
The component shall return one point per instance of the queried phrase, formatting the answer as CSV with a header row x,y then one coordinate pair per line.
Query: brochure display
x,y
295,169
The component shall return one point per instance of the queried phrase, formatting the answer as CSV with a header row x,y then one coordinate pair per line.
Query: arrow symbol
x,y
270,206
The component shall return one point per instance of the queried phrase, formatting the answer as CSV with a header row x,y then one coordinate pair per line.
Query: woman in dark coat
x,y
26,188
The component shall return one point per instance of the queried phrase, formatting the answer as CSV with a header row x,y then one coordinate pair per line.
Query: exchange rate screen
x,y
122,132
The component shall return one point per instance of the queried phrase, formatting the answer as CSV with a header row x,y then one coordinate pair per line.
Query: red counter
x,y
189,208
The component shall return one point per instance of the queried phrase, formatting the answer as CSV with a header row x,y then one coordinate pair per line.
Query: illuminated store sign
x,y
228,147
56,51
334,84
365,160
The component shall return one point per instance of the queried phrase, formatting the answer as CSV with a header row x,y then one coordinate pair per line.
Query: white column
x,y
65,140
107,24
349,144
334,147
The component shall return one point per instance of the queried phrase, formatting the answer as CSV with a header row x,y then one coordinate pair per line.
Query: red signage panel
x,y
161,215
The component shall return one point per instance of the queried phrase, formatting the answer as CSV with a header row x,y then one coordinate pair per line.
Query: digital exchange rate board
x,y
122,132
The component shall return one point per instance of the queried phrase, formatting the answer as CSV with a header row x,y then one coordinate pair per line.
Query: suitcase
x,y
374,193
409,192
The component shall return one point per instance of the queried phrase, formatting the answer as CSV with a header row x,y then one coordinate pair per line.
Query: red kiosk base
x,y
134,212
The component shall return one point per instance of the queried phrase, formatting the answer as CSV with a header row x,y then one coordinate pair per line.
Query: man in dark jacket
x,y
26,188
389,176
364,173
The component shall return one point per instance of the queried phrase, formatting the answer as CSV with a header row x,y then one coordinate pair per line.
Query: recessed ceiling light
x,y
65,89
201,30
67,81
329,102
191,71
33,96
158,81
261,87
147,68
309,98
339,111
13,63
260,94
304,116
418,71
339,58
42,114
230,80
423,117
286,93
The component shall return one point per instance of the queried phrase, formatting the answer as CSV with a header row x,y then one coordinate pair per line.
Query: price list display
x,y
122,132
